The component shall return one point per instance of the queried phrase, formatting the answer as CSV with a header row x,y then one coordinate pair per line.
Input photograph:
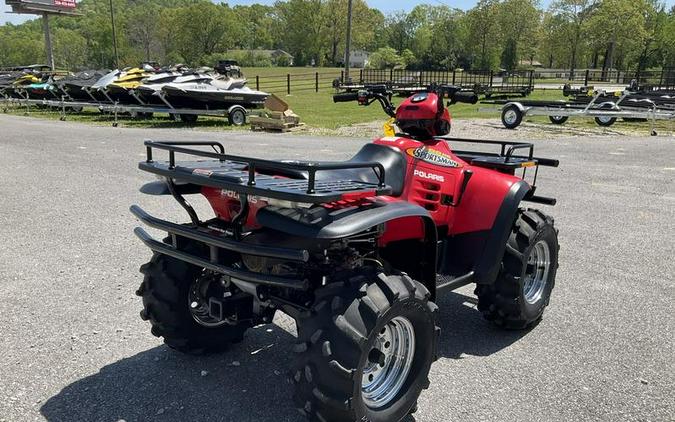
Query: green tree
x,y
385,58
302,30
570,17
483,30
617,27
518,21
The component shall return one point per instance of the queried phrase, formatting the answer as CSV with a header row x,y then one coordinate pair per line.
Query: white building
x,y
358,58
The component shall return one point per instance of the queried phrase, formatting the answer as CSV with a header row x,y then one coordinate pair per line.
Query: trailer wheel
x,y
511,116
522,290
558,120
364,350
237,116
605,121
176,304
189,119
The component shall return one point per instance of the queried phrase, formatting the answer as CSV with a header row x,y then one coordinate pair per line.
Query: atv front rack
x,y
285,180
506,160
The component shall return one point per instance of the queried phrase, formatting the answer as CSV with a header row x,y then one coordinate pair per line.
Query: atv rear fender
x,y
409,231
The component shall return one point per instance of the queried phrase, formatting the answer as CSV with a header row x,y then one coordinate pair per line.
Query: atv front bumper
x,y
215,242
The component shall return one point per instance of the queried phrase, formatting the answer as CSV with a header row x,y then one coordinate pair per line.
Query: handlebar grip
x,y
345,97
465,97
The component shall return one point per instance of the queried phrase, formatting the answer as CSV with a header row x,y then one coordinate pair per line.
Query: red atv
x,y
356,252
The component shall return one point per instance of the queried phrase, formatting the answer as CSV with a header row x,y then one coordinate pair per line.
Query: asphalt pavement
x,y
73,347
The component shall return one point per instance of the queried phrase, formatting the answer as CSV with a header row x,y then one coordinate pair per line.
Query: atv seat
x,y
393,161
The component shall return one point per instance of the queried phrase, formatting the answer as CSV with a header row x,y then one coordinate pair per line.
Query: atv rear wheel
x,y
176,304
522,290
365,350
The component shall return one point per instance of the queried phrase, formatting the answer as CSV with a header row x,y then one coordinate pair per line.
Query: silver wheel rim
x,y
604,119
536,274
557,118
510,116
388,363
238,117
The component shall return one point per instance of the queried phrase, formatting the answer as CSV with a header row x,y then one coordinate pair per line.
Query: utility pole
x,y
348,42
48,40
114,36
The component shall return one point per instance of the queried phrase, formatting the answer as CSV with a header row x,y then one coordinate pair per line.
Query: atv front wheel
x,y
365,350
176,302
522,290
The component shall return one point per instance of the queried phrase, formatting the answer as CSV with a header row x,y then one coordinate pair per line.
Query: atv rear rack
x,y
291,181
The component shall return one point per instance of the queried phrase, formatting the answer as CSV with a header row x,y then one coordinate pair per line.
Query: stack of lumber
x,y
277,116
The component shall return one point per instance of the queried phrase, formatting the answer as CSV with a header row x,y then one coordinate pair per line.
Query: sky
x,y
385,6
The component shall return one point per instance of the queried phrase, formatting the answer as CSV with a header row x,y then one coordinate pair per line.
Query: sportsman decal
x,y
432,156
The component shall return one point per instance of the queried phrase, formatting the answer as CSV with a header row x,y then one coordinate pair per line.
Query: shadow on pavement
x,y
465,332
247,383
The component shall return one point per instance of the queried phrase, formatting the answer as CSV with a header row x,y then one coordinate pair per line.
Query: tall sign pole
x,y
348,42
45,8
114,35
48,41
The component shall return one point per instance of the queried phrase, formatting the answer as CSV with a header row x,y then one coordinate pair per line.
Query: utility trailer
x,y
605,112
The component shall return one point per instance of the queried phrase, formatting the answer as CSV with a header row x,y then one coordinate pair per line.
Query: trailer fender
x,y
236,115
519,105
487,267
609,105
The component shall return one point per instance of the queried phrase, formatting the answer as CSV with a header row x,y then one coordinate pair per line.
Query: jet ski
x,y
149,92
216,94
41,91
97,90
6,80
119,90
18,89
74,86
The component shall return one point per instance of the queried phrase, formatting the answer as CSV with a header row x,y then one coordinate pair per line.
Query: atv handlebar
x,y
380,93
345,97
468,97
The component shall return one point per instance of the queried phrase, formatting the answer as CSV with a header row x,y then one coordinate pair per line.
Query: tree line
x,y
508,34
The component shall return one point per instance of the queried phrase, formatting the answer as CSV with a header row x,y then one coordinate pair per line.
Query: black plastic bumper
x,y
214,243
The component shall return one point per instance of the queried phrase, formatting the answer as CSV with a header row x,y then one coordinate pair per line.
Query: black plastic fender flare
x,y
321,223
487,267
325,225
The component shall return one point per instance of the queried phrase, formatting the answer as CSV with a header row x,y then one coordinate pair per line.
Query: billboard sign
x,y
62,7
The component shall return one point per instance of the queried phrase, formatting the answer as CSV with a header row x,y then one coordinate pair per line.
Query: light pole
x,y
114,36
348,42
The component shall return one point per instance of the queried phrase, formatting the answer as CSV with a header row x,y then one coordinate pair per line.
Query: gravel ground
x,y
74,348
493,128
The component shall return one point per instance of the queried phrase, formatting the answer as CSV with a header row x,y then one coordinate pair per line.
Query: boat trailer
x,y
604,111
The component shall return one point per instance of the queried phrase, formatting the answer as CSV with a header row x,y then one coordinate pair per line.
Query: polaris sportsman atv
x,y
356,252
